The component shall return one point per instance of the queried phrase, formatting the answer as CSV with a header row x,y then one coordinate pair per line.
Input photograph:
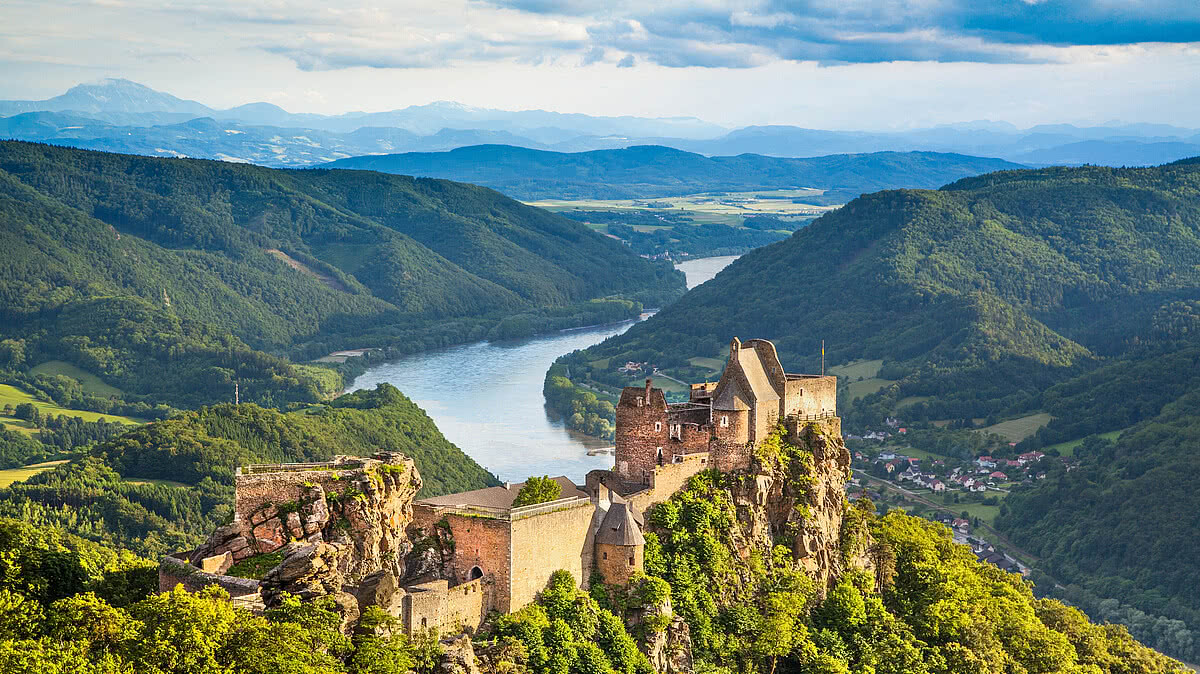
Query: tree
x,y
27,412
537,490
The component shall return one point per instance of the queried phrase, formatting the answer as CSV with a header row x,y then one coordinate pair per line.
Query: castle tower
x,y
620,546
642,433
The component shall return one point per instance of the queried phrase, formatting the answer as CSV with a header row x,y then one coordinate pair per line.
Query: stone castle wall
x,y
811,395
730,448
481,542
545,543
436,605
618,563
642,428
670,478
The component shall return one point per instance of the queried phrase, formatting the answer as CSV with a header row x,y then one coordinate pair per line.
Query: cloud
x,y
746,33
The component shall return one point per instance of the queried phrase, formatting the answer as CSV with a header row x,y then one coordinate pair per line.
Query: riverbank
x,y
487,396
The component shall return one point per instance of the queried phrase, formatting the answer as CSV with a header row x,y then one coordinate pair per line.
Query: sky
x,y
835,64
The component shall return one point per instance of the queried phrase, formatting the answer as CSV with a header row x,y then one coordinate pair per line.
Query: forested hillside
x,y
1069,292
655,171
170,278
161,486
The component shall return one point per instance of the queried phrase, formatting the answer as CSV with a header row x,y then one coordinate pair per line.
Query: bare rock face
x,y
458,656
381,589
372,516
803,502
426,560
307,571
669,650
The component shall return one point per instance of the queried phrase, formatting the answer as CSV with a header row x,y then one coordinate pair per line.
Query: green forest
x,y
173,280
72,606
648,171
161,487
1064,291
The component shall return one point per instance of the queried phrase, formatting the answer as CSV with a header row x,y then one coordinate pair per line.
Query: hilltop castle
x,y
351,529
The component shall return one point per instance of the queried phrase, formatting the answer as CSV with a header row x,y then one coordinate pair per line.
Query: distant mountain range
x,y
656,171
119,115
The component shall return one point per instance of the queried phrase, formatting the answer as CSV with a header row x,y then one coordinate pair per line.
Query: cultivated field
x,y
11,395
90,382
1016,430
11,475
728,208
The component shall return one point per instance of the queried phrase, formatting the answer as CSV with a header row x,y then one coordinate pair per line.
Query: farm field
x,y
90,382
11,395
11,475
1016,430
1068,448
867,369
728,208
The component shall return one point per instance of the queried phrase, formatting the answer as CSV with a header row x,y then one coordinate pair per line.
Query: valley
x,y
599,338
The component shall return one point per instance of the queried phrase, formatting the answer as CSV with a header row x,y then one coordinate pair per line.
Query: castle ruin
x,y
352,529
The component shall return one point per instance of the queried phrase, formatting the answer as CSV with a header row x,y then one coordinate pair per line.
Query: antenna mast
x,y
237,397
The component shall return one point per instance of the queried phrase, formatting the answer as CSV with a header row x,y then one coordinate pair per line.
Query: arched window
x,y
475,572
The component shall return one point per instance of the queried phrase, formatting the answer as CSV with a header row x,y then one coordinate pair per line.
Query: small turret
x,y
620,545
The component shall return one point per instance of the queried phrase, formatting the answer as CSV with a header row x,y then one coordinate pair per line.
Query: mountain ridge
x,y
654,171
129,127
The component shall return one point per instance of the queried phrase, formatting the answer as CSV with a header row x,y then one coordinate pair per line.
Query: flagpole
x,y
822,358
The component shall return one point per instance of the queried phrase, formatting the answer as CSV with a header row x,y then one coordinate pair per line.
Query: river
x,y
486,397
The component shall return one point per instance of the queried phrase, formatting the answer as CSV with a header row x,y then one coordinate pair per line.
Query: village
x,y
965,494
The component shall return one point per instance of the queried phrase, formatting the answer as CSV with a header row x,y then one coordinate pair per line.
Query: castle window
x,y
640,401
606,555
657,426
724,422
631,561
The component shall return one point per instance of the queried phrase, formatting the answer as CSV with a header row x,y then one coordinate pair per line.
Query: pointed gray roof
x,y
730,395
760,385
619,527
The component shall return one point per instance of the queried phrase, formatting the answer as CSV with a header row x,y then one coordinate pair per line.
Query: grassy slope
x,y
1061,293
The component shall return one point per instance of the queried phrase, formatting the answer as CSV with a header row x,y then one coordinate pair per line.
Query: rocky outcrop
x,y
669,649
458,656
349,515
797,499
307,571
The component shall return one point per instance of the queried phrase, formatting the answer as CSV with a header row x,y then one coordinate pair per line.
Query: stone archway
x,y
474,573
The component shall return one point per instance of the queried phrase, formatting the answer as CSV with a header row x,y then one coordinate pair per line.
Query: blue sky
x,y
871,64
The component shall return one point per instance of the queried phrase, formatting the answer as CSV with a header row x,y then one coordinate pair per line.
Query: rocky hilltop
x,y
745,570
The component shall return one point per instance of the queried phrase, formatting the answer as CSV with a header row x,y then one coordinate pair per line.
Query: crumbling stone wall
x,y
810,395
642,429
436,605
174,571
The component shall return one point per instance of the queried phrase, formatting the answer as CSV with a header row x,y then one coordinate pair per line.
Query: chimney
x,y
507,484
734,345
648,380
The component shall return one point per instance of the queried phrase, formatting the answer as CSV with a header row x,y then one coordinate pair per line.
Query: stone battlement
x,y
724,420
